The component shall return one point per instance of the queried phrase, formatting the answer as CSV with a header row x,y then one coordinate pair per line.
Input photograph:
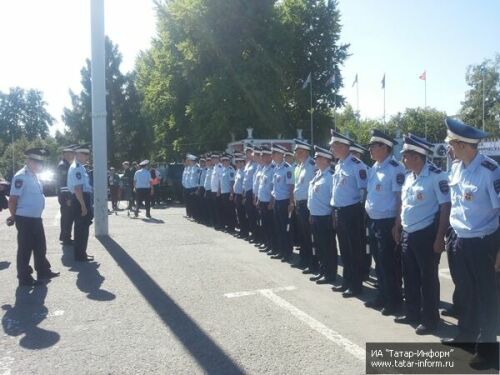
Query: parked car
x,y
171,182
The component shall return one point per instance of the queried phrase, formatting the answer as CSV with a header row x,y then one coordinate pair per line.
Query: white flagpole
x,y
482,70
425,100
311,100
384,99
99,141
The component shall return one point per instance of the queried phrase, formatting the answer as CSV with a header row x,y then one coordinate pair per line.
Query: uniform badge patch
x,y
496,184
18,184
289,174
400,178
231,174
362,174
78,175
468,196
420,196
443,186
378,187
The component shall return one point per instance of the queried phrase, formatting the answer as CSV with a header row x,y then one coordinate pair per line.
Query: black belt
x,y
302,202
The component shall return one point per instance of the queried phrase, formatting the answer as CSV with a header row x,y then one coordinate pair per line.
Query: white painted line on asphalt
x,y
258,291
445,272
319,327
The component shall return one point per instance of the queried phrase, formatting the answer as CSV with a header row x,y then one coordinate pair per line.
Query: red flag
x,y
423,76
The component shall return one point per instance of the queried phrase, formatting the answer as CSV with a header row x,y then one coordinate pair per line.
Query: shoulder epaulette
x,y
287,165
394,163
312,162
273,165
356,160
489,165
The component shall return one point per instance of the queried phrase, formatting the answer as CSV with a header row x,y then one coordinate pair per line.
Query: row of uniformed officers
x,y
413,211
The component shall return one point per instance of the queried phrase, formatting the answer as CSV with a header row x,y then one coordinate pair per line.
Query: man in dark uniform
x,y
64,196
79,185
26,205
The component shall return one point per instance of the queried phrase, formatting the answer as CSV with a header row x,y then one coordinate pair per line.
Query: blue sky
x,y
402,38
44,45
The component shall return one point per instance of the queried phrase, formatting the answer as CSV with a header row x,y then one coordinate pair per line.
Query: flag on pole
x,y
423,76
383,81
307,81
331,80
355,80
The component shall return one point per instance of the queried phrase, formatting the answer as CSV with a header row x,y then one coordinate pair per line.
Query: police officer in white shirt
x,y
142,188
26,205
81,190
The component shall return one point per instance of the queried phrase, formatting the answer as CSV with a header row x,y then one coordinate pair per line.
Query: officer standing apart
x,y
81,190
26,204
383,205
318,203
283,203
348,191
304,173
475,208
64,196
424,220
142,188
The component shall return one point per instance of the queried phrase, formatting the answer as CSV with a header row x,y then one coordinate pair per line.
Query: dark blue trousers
x,y
420,273
475,262
281,227
387,259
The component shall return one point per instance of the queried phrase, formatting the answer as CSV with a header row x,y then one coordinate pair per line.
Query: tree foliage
x,y
218,67
127,134
488,74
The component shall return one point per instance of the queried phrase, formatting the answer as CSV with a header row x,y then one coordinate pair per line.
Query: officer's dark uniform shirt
x,y
62,176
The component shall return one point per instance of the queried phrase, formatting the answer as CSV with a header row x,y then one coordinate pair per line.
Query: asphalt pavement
x,y
169,296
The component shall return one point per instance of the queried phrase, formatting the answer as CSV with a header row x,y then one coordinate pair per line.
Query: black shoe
x,y
68,242
299,265
340,289
308,271
286,258
276,256
136,214
351,293
148,216
49,275
30,282
87,258
424,330
375,304
481,361
405,320
460,340
325,280
450,312
316,278
386,311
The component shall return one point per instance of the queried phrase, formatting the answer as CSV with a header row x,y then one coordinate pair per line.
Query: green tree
x,y
416,120
127,134
23,113
488,74
218,67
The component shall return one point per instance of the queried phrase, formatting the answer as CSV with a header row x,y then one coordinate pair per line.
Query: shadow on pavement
x,y
202,348
89,279
4,265
153,221
24,317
